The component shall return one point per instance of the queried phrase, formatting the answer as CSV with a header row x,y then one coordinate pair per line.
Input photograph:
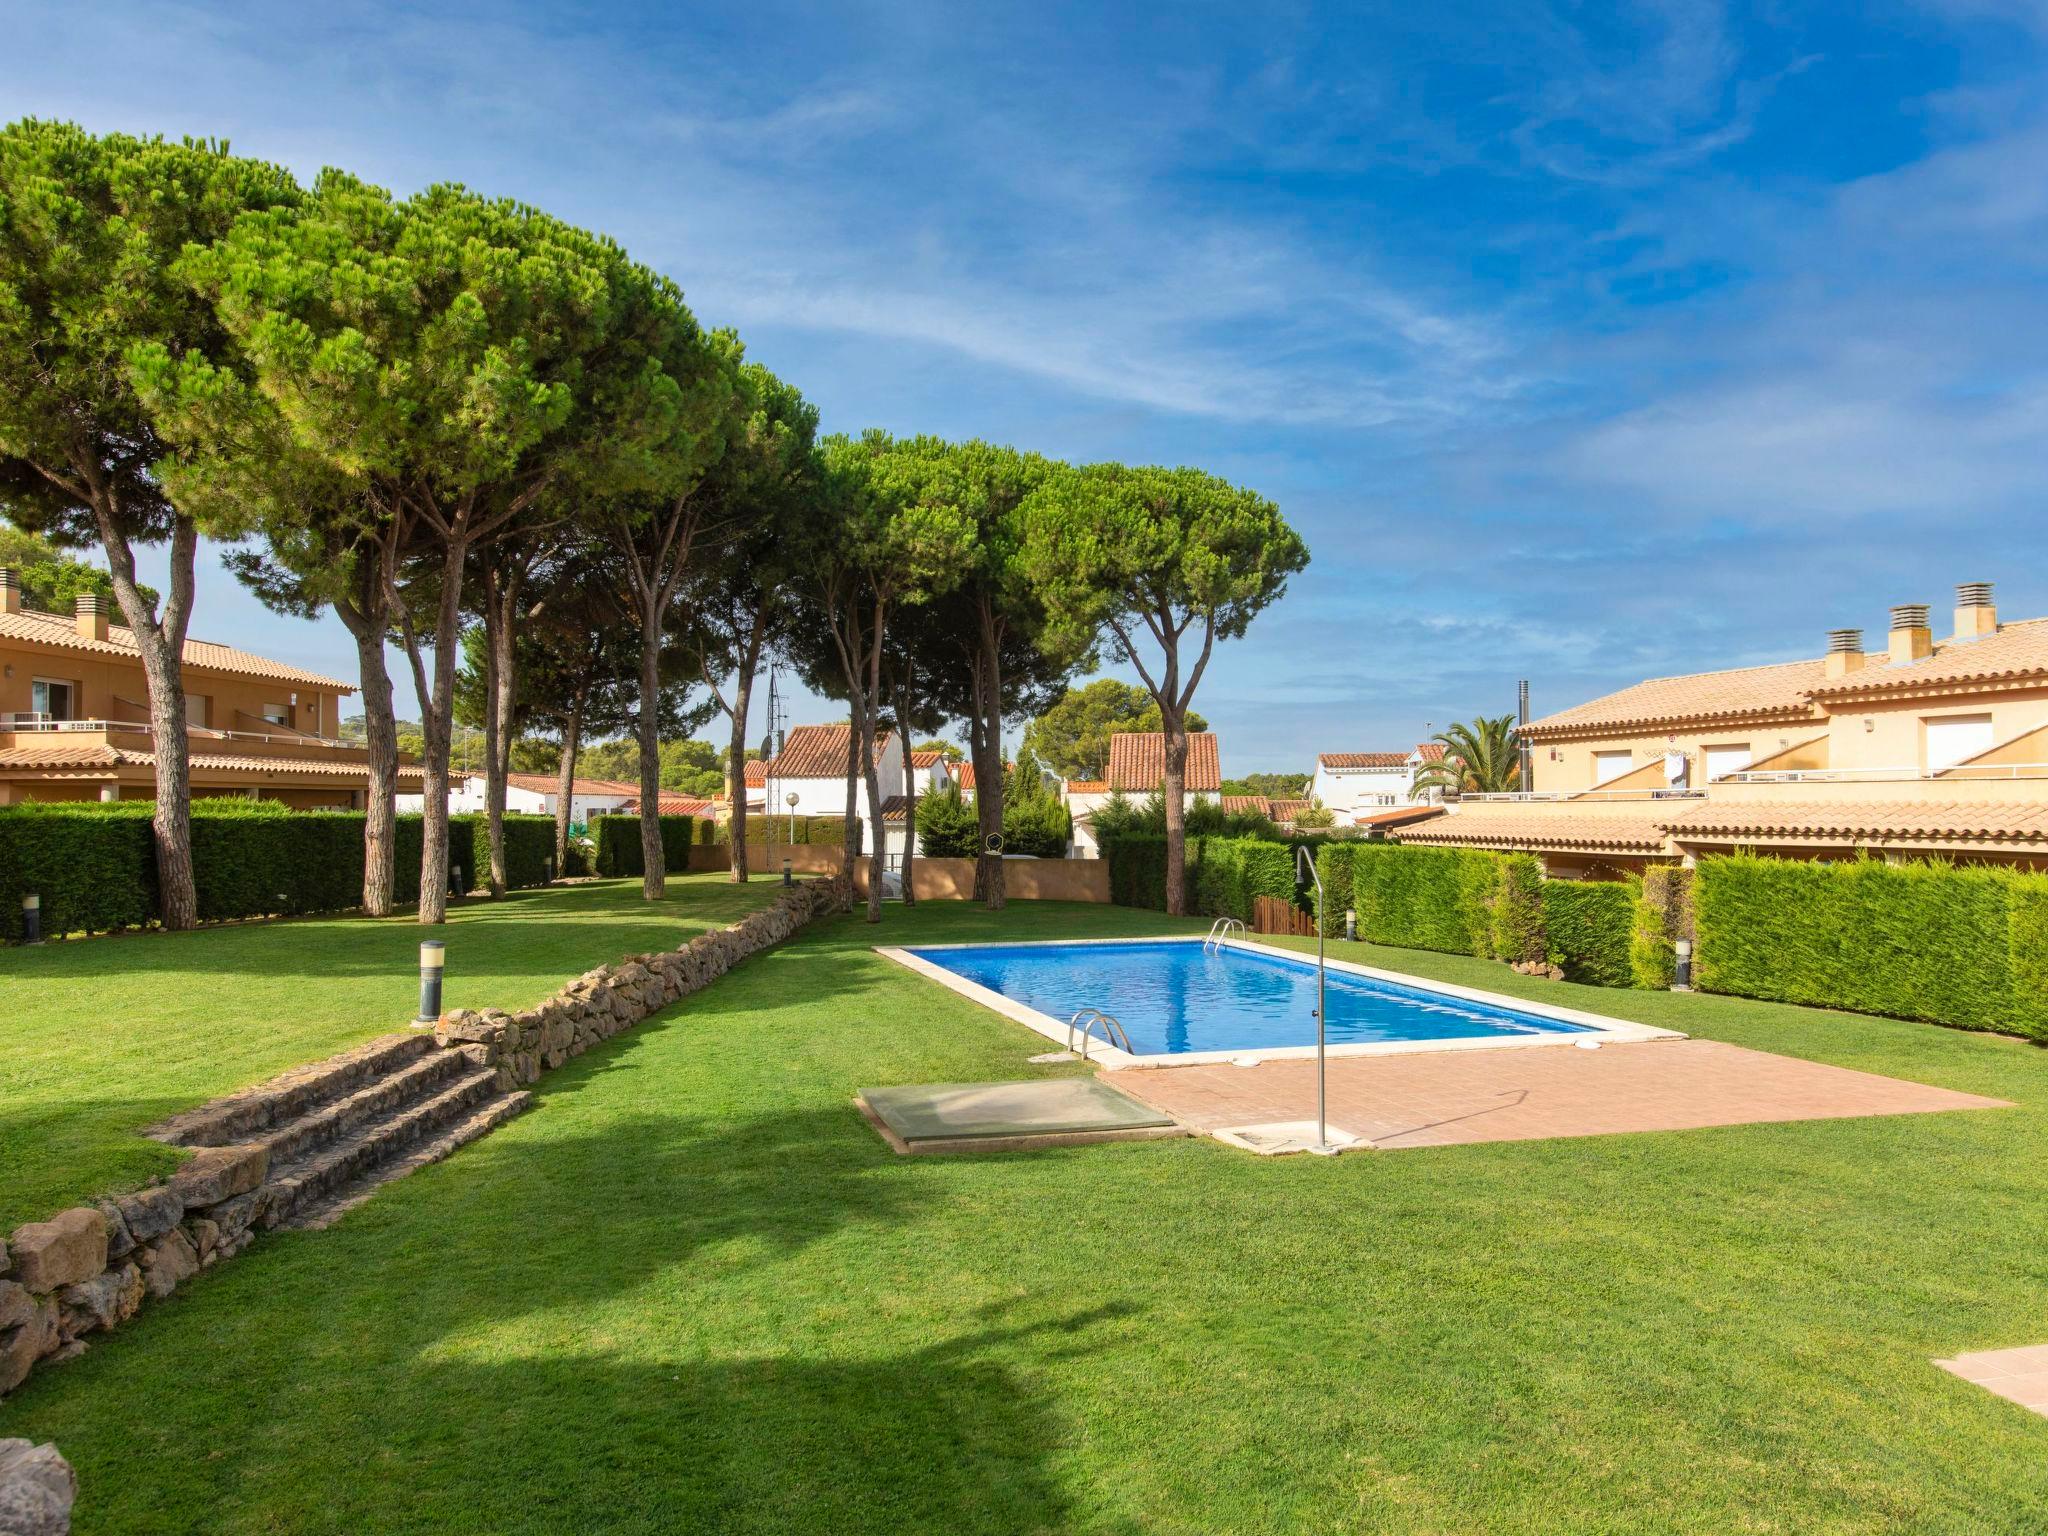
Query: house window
x,y
50,699
1953,738
1724,760
277,714
1608,766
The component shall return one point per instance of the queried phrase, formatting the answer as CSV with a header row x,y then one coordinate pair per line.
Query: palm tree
x,y
1481,757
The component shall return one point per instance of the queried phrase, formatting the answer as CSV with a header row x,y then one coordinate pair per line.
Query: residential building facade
x,y
1137,768
74,717
1352,785
1926,746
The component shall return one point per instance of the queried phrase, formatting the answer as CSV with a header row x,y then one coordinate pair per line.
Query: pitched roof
x,y
551,783
1866,822
1362,759
816,752
757,772
62,632
667,804
926,759
1242,805
87,757
1405,814
2016,652
1774,693
1430,751
896,808
1137,762
1286,810
1542,827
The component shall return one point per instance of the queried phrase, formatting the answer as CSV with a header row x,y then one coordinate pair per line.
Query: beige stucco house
x,y
1925,746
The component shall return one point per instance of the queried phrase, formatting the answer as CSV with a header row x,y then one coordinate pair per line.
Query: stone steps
x,y
494,1113
240,1117
416,1080
297,1189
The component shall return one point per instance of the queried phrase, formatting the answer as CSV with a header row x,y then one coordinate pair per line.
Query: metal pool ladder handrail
x,y
1219,932
1113,1032
1304,860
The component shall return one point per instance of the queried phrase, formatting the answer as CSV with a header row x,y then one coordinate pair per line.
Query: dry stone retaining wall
x,y
92,1267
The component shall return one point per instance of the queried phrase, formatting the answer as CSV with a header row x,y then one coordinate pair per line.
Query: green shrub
x,y
946,825
2027,930
93,868
1425,898
1662,917
617,840
1518,911
1586,929
1137,870
1039,826
529,846
1333,863
1226,873
826,831
1917,941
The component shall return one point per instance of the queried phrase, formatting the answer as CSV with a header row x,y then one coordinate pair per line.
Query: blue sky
x,y
1582,343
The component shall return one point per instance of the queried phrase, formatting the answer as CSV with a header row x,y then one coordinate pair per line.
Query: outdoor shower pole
x,y
1303,860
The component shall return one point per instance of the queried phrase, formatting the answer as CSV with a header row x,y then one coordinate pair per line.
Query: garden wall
x,y
1023,879
91,1268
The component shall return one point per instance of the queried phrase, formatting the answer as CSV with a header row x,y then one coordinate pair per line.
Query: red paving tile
x,y
2018,1375
1450,1098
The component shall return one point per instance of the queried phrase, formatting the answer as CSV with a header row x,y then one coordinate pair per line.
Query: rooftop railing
x,y
1534,796
29,722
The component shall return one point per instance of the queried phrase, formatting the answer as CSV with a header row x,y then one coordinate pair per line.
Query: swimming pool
x,y
1181,1000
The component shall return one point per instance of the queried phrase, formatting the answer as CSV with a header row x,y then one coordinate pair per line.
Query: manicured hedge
x,y
618,845
1959,946
1662,917
1586,929
93,864
1137,870
1226,873
1426,898
1333,863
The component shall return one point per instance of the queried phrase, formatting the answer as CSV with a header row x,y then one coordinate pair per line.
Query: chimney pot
x,y
1976,616
1845,652
1911,639
92,616
10,590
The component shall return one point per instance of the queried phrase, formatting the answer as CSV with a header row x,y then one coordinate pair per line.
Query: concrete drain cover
x,y
1277,1138
964,1117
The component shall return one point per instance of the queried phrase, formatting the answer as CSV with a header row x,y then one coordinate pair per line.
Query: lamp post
x,y
433,959
790,800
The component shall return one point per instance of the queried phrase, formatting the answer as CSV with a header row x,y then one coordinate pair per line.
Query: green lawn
x,y
105,1036
691,1291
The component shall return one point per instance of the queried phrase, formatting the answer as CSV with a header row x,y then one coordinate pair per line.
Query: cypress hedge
x,y
1137,869
1518,912
1227,873
1662,918
618,845
1958,946
1426,898
1587,927
1333,864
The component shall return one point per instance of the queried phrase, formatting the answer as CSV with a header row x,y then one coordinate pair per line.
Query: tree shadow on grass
x,y
950,1438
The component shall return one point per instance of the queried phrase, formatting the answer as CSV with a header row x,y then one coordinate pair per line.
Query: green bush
x,y
1918,941
946,826
1227,873
617,839
1137,870
1333,863
93,864
1426,898
1662,917
529,846
1515,930
1586,929
1039,826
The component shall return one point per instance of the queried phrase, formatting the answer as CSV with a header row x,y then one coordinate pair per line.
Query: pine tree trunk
x,y
1176,743
654,876
879,829
436,720
160,640
909,796
849,852
736,752
565,797
988,693
368,622
501,602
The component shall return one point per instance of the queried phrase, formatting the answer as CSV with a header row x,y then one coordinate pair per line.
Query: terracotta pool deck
x,y
1454,1098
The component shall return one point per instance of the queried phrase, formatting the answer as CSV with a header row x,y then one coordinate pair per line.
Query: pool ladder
x,y
1087,1021
1219,934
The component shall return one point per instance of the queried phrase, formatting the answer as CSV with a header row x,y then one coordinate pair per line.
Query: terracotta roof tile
x,y
62,632
1137,762
1539,827
816,752
1095,787
1242,805
1866,822
89,756
1362,759
1430,751
675,805
926,759
1774,692
1406,813
1286,810
551,783
2017,651
757,772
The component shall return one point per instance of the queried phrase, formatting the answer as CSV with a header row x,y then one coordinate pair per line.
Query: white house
x,y
1137,767
536,794
1358,784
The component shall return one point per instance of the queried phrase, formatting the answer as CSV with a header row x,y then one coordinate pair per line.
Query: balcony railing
x,y
28,722
1534,796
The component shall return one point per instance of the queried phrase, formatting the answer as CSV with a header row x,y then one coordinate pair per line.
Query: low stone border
x,y
92,1267
36,1490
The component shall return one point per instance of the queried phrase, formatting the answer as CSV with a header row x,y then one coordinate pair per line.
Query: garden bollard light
x,y
1681,973
31,919
785,873
433,959
547,868
1350,924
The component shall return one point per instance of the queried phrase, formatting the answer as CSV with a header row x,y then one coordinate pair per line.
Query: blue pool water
x,y
1173,998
